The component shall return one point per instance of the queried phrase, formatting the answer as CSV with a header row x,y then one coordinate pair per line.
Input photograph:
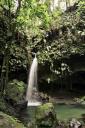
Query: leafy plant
x,y
16,89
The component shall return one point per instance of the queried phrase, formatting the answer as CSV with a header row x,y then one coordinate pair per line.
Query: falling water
x,y
32,93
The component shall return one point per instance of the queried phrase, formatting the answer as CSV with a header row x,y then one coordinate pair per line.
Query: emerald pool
x,y
65,112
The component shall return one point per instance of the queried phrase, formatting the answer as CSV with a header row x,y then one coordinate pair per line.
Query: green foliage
x,y
6,108
16,89
22,23
64,40
2,105
32,26
18,58
81,9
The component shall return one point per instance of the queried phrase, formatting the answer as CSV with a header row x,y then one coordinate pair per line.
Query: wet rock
x,y
62,124
74,123
21,105
44,98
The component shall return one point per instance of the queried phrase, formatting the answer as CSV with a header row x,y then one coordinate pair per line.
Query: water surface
x,y
65,112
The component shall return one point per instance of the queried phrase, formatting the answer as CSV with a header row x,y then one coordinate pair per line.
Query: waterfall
x,y
32,90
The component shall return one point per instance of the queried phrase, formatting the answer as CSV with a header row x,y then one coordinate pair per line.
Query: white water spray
x,y
32,92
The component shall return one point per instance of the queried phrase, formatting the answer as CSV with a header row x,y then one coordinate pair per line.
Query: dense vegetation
x,y
31,26
57,37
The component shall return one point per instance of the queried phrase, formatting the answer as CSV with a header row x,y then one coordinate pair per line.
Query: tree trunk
x,y
4,72
7,70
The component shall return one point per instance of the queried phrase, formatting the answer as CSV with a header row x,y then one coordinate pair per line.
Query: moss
x,y
45,116
43,109
7,121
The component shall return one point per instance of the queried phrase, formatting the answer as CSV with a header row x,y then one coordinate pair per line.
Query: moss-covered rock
x,y
15,90
45,116
7,121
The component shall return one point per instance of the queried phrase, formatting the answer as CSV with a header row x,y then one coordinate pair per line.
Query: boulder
x,y
45,116
74,123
